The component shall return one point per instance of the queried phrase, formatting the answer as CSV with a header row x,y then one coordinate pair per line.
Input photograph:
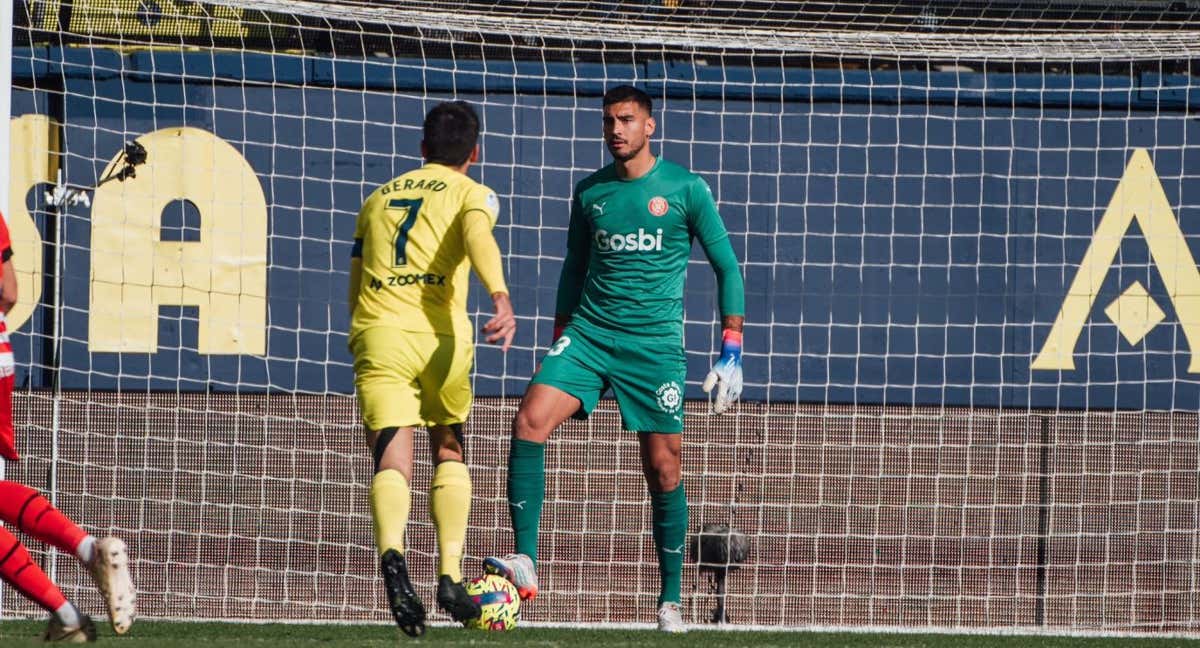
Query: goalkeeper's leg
x,y
661,466
542,410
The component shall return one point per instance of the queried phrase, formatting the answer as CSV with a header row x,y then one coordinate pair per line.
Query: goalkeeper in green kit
x,y
619,324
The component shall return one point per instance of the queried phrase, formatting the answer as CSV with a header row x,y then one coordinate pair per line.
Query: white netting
x,y
1051,39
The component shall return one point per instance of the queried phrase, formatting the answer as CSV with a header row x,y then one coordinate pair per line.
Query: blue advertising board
x,y
907,238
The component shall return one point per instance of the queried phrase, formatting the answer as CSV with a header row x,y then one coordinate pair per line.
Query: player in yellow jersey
x,y
416,239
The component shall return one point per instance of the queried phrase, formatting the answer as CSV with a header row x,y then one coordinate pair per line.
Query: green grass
x,y
161,634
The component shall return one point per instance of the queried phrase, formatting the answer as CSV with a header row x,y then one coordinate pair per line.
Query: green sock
x,y
526,491
670,535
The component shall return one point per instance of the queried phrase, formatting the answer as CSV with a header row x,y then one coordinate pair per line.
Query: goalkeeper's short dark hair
x,y
451,131
623,93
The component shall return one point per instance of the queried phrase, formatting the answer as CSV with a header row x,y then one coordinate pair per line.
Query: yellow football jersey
x,y
414,262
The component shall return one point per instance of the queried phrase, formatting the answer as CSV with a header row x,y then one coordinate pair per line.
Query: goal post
x,y
6,31
969,254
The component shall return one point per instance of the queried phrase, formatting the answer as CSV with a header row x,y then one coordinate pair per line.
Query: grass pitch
x,y
162,634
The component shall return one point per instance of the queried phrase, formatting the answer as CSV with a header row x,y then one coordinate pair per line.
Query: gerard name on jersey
x,y
424,184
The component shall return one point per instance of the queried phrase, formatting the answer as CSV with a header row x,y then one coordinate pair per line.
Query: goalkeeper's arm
x,y
574,270
726,374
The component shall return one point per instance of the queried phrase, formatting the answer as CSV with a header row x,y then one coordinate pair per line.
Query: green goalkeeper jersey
x,y
628,246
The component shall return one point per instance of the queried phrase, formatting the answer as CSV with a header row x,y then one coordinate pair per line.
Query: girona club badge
x,y
658,206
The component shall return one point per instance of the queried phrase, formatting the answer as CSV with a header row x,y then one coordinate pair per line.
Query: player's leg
x,y
569,383
450,508
106,559
648,385
21,506
446,402
17,569
385,379
26,509
391,499
449,497
542,409
391,503
668,503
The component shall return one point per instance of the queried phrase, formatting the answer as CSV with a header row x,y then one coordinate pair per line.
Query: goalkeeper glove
x,y
726,374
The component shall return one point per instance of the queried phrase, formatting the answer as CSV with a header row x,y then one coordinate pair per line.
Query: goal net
x,y
968,234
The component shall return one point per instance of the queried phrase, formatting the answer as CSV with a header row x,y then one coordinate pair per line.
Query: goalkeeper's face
x,y
627,129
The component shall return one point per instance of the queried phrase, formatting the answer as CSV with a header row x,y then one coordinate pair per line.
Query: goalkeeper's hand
x,y
726,374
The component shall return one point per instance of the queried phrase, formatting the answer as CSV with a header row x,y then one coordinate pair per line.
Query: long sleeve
x,y
356,253
574,270
710,229
483,251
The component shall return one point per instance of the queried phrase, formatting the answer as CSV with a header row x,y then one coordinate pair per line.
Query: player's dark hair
x,y
451,130
623,93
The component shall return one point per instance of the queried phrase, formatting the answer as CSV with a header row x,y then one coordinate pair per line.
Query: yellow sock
x,y
390,503
450,506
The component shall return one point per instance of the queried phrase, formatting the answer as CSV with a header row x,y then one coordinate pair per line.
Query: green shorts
x,y
646,376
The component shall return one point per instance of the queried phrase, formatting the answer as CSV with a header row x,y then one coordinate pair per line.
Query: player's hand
x,y
726,374
503,325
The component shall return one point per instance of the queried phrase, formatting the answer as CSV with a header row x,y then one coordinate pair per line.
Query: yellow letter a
x,y
1139,196
224,273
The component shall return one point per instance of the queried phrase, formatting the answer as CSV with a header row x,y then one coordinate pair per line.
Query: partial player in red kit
x,y
24,509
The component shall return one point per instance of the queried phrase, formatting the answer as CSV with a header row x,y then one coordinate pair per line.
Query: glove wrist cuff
x,y
731,336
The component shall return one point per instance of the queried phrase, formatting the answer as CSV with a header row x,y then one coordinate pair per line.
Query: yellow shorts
x,y
407,379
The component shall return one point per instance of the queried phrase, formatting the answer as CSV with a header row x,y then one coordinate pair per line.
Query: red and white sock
x,y
68,614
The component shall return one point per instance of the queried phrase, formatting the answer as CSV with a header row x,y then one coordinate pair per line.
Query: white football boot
x,y
670,618
518,569
110,570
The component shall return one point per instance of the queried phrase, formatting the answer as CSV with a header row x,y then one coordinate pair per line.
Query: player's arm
x,y
356,258
8,284
574,269
355,276
726,374
484,253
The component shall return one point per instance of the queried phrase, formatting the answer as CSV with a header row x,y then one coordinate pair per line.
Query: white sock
x,y
86,551
68,615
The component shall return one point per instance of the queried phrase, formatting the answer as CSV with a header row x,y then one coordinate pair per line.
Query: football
x,y
498,600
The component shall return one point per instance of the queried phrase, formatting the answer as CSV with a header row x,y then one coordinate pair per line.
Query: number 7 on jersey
x,y
411,207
